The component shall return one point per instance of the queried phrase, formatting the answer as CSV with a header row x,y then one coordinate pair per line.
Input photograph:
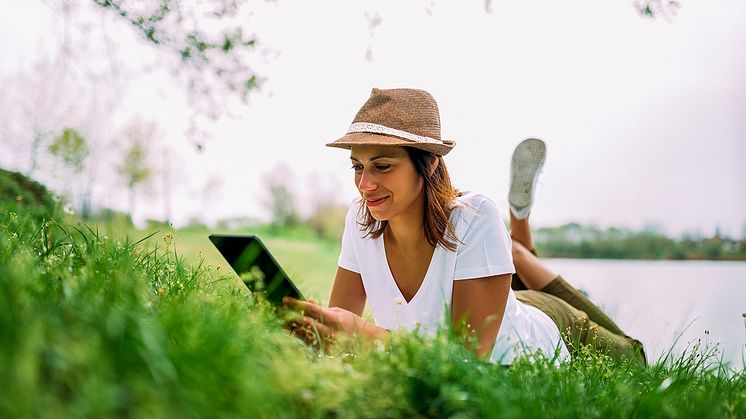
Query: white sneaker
x,y
528,158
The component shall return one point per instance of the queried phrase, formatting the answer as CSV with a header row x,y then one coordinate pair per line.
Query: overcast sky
x,y
645,120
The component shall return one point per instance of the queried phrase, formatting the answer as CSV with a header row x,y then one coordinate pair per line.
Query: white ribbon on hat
x,y
382,129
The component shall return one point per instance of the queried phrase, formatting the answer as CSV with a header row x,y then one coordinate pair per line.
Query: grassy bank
x,y
310,261
96,326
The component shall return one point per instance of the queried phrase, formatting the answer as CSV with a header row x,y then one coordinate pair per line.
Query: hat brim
x,y
359,138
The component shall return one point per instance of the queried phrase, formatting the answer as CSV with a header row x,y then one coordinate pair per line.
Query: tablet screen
x,y
256,267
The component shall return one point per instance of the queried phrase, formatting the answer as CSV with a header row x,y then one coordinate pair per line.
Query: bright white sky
x,y
645,120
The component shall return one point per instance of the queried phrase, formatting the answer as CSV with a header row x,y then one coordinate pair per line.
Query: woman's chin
x,y
378,215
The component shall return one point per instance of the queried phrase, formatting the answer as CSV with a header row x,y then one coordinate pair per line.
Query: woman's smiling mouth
x,y
375,202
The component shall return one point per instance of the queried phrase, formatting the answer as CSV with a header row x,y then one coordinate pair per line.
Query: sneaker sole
x,y
528,158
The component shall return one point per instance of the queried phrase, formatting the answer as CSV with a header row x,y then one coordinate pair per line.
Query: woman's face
x,y
387,180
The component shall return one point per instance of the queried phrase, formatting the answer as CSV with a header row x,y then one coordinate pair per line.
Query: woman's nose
x,y
367,182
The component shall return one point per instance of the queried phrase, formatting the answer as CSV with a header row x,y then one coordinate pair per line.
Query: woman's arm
x,y
348,291
346,306
478,306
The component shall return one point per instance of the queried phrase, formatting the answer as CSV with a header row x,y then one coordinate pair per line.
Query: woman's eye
x,y
379,168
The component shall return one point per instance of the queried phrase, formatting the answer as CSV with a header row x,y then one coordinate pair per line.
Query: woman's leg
x,y
525,165
537,276
520,232
577,317
563,290
530,269
579,330
580,321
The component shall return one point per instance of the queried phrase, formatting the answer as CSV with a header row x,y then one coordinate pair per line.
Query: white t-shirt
x,y
483,250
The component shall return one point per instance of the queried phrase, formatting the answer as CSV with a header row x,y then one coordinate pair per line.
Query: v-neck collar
x,y
393,280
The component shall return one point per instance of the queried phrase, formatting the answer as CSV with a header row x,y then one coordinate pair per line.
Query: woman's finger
x,y
311,309
293,303
308,307
317,312
323,330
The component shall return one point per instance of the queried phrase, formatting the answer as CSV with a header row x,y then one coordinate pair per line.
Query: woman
x,y
420,252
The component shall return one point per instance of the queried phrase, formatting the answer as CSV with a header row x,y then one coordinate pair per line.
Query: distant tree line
x,y
571,240
326,220
326,217
577,241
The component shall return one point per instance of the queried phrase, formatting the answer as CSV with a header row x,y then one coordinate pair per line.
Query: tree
x,y
657,8
135,168
327,211
204,44
209,192
281,200
37,101
206,38
328,220
71,148
284,213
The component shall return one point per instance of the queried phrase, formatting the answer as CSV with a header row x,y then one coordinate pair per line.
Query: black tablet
x,y
256,267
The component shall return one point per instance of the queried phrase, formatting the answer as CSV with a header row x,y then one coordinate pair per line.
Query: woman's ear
x,y
432,165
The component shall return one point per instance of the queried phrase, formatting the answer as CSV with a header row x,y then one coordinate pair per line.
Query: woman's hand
x,y
322,325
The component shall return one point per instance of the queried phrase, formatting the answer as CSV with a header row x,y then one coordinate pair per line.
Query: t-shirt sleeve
x,y
485,248
347,257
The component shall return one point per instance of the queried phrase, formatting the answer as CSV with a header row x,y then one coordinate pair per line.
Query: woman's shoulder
x,y
472,202
473,208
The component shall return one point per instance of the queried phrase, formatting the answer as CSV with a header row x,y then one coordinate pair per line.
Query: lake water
x,y
660,301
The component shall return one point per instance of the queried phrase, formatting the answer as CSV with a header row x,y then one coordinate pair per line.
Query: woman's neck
x,y
408,228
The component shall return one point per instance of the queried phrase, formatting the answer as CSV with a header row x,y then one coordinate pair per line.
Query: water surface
x,y
660,301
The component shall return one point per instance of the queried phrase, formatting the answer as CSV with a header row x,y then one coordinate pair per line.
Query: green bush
x,y
24,195
328,221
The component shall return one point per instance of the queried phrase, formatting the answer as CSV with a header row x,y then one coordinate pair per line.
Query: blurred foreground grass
x,y
94,325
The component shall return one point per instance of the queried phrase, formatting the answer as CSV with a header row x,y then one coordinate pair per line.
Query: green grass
x,y
92,325
311,262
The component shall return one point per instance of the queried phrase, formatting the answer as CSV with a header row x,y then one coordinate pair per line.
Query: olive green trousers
x,y
579,320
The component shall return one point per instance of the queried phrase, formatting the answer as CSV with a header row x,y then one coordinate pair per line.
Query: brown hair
x,y
439,194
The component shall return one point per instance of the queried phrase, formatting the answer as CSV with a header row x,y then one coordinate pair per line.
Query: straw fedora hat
x,y
401,117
